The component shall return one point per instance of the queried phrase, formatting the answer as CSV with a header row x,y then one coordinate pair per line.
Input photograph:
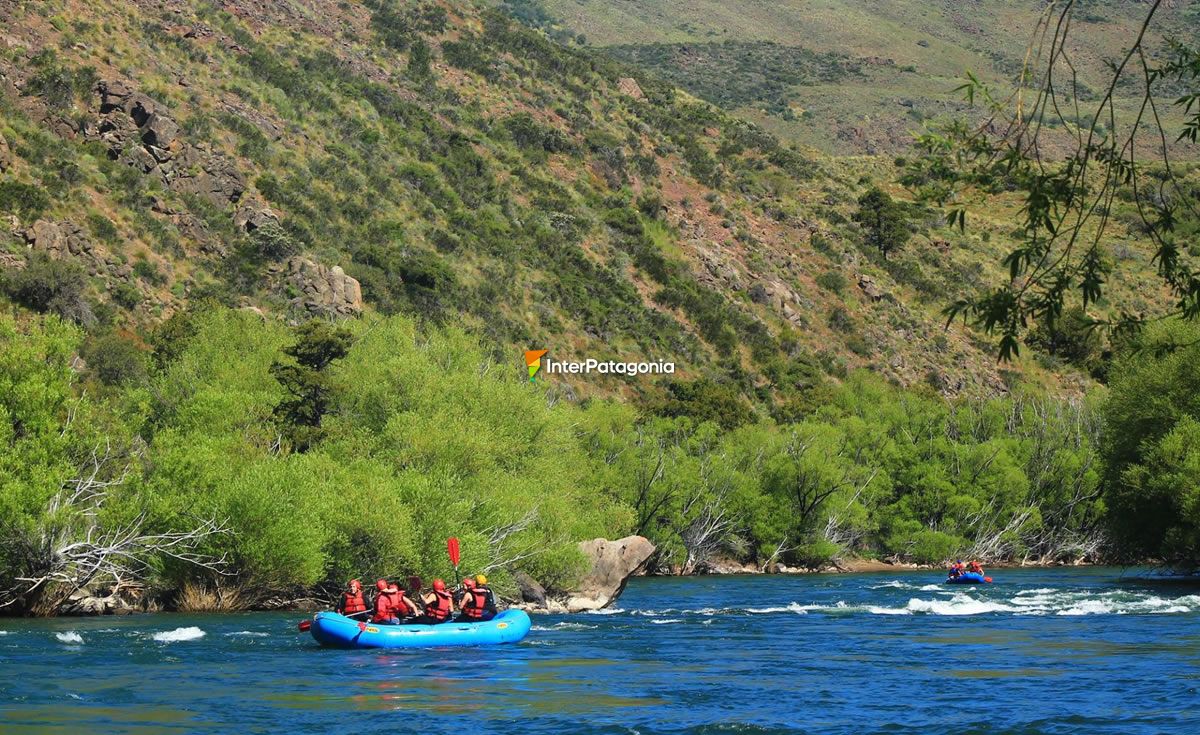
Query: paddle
x,y
452,548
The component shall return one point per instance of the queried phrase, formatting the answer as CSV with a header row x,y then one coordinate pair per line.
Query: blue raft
x,y
967,578
339,631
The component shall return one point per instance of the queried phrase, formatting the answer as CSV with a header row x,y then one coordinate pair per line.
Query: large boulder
x,y
324,291
613,563
532,593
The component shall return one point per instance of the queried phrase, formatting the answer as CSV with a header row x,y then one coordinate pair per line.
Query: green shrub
x,y
832,281
27,201
52,286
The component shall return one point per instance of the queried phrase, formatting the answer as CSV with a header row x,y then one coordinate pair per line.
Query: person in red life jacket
x,y
351,601
403,607
386,609
478,602
956,569
464,600
975,568
439,605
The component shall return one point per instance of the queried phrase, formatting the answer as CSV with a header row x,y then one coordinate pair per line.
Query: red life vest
x,y
402,607
353,603
385,608
440,609
477,603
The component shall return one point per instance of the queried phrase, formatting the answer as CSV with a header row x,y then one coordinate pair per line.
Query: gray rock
x,y
870,287
159,131
613,563
208,175
324,291
253,215
531,591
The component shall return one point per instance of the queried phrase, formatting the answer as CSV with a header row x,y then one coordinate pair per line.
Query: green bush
x,y
27,201
832,281
52,286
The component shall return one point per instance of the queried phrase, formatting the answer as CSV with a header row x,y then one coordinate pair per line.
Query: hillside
x,y
330,159
844,77
270,269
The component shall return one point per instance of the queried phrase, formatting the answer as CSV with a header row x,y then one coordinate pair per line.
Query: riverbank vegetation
x,y
188,477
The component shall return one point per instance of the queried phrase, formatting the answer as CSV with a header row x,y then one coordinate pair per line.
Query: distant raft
x,y
968,578
339,631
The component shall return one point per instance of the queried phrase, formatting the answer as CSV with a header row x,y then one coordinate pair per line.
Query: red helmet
x,y
381,584
439,585
355,585
469,583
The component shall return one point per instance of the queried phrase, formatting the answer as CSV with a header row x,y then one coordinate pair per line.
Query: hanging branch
x,y
1067,203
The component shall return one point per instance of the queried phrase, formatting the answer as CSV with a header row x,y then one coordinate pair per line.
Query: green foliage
x,y
704,400
884,223
272,242
832,281
735,74
27,201
115,359
51,286
58,84
305,381
1150,446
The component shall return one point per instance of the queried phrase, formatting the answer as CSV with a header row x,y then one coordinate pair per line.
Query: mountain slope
x,y
320,159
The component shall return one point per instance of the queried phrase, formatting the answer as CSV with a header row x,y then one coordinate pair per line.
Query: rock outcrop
x,y
630,88
613,563
141,132
324,291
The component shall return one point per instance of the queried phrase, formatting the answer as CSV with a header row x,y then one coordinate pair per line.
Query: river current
x,y
1040,651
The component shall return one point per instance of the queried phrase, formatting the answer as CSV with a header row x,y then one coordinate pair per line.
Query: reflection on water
x,y
1041,651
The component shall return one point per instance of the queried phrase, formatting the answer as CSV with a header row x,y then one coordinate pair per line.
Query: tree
x,y
883,221
1068,202
419,58
1151,447
318,344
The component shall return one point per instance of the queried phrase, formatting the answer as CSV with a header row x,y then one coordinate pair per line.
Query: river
x,y
1041,651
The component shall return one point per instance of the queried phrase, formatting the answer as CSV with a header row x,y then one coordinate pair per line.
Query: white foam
x,y
189,633
606,611
565,626
666,621
249,634
69,637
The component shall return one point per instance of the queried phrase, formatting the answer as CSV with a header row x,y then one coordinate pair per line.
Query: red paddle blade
x,y
362,626
987,579
452,548
304,625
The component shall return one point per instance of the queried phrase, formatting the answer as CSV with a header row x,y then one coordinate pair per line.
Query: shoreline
x,y
867,566
721,569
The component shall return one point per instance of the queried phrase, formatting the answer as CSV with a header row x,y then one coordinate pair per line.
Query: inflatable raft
x,y
968,578
339,631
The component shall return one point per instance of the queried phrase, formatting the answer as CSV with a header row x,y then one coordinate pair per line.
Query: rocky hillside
x,y
314,158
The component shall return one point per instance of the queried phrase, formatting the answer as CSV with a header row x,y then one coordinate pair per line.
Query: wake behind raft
x,y
338,631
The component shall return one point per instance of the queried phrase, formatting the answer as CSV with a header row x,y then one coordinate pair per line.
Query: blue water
x,y
1041,651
